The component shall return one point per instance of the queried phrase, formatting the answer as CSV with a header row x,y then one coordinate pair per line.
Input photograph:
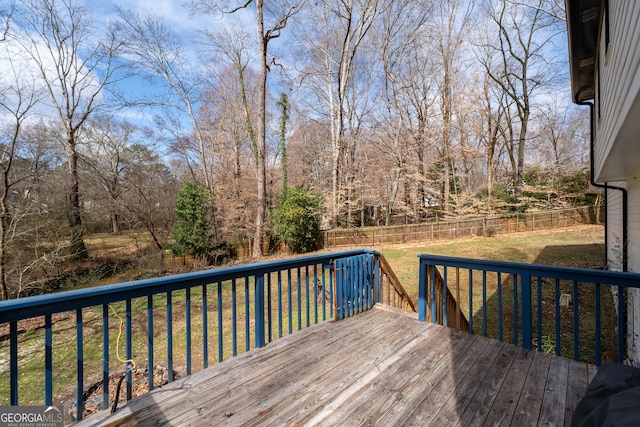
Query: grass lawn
x,y
573,247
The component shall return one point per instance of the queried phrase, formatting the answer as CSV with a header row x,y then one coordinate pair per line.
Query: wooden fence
x,y
463,228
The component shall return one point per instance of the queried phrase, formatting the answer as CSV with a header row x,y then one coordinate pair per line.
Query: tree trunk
x,y
490,178
521,148
261,145
4,289
115,223
78,249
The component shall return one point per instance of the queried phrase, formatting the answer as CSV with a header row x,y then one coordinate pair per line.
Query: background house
x,y
604,55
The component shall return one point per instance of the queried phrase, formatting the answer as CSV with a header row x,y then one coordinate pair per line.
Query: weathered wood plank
x,y
322,395
505,403
336,371
392,390
530,403
555,395
217,380
444,406
484,397
281,379
430,390
576,387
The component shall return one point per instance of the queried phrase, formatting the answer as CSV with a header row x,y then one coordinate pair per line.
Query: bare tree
x,y
232,45
336,93
156,51
229,115
453,19
401,37
519,61
556,127
224,119
268,30
6,13
355,19
19,93
150,192
420,93
494,106
59,37
107,157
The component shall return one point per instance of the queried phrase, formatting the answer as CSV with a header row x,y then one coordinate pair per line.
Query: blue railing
x,y
186,320
576,313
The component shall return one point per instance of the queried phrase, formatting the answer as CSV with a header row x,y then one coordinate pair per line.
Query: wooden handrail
x,y
393,282
455,317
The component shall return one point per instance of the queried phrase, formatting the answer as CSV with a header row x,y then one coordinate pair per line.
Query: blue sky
x,y
181,20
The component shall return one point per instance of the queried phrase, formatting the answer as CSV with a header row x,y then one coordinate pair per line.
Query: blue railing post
x,y
220,321
422,292
445,279
187,310
433,292
259,310
526,309
234,318
205,329
48,361
13,363
150,356
169,337
598,357
470,301
79,366
105,357
129,347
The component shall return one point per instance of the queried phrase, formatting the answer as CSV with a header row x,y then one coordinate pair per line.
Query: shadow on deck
x,y
381,367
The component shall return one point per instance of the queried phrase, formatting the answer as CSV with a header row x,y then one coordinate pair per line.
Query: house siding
x,y
614,228
617,73
633,229
633,295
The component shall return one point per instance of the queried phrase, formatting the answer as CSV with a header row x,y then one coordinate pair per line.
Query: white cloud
x,y
22,74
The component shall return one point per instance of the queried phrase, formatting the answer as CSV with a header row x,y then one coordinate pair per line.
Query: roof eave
x,y
583,22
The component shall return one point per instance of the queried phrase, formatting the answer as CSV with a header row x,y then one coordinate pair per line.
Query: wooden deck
x,y
382,367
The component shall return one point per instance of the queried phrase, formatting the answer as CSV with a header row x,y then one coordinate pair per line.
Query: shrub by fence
x,y
454,229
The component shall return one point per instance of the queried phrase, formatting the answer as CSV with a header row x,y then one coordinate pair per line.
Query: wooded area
x,y
390,110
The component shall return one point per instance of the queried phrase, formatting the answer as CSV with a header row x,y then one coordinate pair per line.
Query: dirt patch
x,y
93,396
33,323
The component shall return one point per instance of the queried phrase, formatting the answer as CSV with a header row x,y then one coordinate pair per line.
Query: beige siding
x,y
619,75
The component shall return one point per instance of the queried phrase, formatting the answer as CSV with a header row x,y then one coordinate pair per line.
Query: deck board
x,y
382,367
554,399
530,402
455,390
